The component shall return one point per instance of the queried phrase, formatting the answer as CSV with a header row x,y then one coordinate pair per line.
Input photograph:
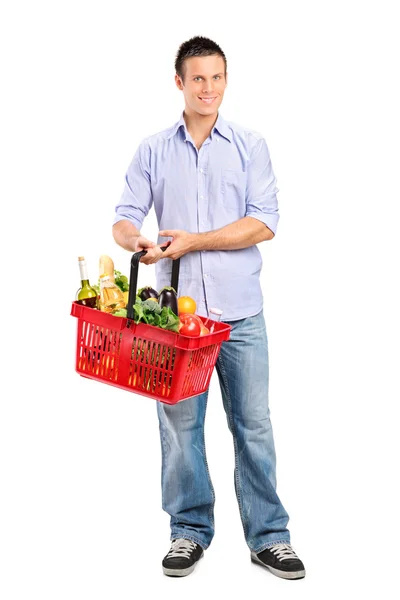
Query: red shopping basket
x,y
144,359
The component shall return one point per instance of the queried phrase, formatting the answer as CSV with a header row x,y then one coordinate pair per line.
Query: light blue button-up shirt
x,y
230,177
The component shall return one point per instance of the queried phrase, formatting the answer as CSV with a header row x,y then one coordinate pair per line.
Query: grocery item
x,y
167,297
121,281
147,292
190,325
86,294
151,313
111,296
106,267
214,314
186,304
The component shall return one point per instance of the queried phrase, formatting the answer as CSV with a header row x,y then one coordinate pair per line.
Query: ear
x,y
178,82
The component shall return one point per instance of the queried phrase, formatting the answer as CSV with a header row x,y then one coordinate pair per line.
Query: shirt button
x,y
201,171
201,197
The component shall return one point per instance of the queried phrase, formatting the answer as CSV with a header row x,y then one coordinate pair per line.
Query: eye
x,y
217,77
197,78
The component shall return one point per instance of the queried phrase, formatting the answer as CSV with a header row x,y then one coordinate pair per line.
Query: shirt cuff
x,y
138,224
270,220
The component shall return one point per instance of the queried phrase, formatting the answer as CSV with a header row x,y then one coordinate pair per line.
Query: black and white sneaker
x,y
281,560
182,558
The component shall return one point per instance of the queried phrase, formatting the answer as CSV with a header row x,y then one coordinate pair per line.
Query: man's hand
x,y
182,243
154,252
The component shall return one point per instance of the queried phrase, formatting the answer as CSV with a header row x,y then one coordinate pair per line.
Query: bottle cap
x,y
216,311
81,258
104,277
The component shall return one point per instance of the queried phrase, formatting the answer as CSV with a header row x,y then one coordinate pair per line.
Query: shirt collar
x,y
220,126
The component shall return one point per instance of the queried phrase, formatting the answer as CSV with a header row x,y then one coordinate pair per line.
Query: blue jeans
x,y
187,491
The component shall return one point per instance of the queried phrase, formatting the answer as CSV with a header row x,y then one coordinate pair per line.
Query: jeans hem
x,y
269,545
192,538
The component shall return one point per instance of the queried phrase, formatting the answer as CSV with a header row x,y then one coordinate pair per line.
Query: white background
x,y
82,84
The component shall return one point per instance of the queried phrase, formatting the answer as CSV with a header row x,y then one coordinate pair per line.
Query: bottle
x,y
111,296
86,294
214,315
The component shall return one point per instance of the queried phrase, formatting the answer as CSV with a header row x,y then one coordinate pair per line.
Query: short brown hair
x,y
196,46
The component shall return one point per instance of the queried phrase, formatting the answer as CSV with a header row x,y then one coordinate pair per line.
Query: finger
x,y
167,233
147,258
153,255
166,254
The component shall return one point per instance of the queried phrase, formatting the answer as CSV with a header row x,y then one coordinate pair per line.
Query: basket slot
x,y
201,367
105,358
162,382
134,371
82,353
151,370
150,367
146,361
86,344
152,348
99,351
167,369
116,351
140,359
96,347
110,355
195,383
167,358
163,377
98,357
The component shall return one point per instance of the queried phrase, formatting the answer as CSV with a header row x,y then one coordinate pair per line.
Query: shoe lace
x,y
181,548
284,551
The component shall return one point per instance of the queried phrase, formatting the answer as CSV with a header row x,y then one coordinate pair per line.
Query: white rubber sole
x,y
277,572
181,572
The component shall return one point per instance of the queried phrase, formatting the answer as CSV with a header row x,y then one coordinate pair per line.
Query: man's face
x,y
203,85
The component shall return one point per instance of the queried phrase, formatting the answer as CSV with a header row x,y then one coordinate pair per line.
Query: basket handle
x,y
134,277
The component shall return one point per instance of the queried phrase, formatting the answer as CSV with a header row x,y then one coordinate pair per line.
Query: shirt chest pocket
x,y
233,189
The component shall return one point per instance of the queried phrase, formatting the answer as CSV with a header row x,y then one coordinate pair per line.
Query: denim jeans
x,y
187,491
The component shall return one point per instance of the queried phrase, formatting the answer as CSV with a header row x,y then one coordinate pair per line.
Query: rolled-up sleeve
x,y
261,193
136,199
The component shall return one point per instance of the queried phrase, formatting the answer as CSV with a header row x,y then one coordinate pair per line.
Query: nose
x,y
208,87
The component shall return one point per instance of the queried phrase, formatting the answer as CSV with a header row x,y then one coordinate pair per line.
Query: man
x,y
214,193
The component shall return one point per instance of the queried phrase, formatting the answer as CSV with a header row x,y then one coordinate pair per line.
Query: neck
x,y
199,126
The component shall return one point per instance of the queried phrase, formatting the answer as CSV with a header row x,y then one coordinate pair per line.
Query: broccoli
x,y
151,306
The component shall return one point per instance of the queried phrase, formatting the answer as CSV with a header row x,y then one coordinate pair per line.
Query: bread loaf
x,y
106,265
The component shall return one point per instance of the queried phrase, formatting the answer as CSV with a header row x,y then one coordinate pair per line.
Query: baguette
x,y
106,265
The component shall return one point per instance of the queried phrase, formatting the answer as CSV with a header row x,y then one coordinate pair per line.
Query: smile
x,y
207,100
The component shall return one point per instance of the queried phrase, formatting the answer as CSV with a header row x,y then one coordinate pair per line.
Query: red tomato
x,y
191,325
184,316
